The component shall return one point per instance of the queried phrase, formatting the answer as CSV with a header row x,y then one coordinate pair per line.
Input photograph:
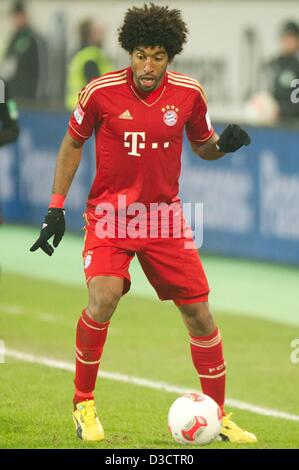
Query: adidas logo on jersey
x,y
125,115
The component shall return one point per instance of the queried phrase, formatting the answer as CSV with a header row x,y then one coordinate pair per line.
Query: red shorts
x,y
176,273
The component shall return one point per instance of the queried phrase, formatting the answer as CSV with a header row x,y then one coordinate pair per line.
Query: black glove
x,y
54,224
232,138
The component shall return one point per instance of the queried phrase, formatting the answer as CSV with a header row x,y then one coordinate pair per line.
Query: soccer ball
x,y
194,418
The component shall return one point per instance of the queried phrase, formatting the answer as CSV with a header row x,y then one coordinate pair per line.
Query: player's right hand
x,y
54,224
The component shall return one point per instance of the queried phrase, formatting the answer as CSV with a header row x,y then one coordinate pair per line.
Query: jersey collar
x,y
147,98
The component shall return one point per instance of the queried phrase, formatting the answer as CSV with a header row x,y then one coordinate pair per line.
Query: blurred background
x,y
246,55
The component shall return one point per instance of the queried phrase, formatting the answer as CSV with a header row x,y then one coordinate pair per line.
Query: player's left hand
x,y
232,138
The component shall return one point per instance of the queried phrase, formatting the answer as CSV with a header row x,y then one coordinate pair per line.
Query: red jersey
x,y
139,139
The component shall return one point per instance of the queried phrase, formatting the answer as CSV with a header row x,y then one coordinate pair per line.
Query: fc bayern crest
x,y
87,259
170,116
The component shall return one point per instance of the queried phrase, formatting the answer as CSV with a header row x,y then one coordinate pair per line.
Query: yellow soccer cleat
x,y
87,423
233,433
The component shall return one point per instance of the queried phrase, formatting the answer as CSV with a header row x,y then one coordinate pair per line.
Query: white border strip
x,y
56,364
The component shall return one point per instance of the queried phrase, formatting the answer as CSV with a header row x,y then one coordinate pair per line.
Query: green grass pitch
x,y
147,339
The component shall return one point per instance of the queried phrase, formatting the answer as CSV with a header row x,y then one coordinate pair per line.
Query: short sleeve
x,y
199,127
85,117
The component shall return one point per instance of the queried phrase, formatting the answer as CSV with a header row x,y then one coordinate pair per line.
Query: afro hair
x,y
153,25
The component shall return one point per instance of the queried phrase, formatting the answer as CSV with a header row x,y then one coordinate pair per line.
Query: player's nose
x,y
148,66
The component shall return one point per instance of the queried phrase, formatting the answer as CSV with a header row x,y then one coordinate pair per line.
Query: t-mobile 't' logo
x,y
135,142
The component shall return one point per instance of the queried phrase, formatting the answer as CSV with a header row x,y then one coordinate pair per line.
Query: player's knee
x,y
198,318
102,304
195,310
104,294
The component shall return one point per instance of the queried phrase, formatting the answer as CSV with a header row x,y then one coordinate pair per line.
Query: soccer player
x,y
138,115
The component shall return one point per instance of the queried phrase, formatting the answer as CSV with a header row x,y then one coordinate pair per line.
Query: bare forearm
x,y
208,151
68,160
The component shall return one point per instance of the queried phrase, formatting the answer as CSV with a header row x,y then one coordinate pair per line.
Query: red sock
x,y
90,340
207,356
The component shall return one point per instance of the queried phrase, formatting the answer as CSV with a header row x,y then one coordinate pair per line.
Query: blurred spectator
x,y
284,69
88,62
9,129
261,109
24,56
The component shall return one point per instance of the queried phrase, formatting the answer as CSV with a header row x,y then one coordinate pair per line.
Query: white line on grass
x,y
63,365
44,317
12,309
